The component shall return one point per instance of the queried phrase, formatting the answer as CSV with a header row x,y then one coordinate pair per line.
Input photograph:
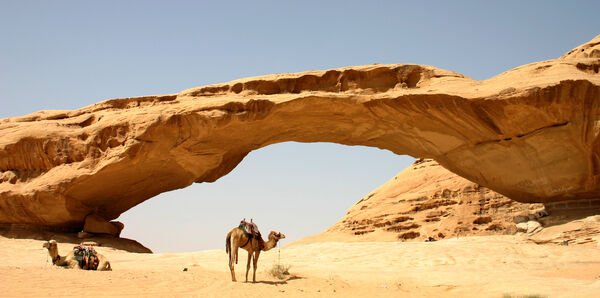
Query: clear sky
x,y
70,54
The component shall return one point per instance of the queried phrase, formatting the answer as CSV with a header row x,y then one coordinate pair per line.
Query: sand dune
x,y
488,266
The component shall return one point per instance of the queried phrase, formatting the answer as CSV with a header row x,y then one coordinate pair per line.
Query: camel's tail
x,y
228,244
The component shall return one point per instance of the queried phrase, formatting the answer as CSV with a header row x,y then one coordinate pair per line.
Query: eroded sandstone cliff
x,y
530,133
426,201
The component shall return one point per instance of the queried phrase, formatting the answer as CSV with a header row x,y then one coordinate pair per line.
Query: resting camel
x,y
70,261
235,240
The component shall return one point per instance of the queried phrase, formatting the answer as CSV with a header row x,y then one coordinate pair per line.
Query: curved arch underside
x,y
530,133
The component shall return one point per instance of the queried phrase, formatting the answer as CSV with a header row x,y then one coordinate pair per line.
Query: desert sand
x,y
478,266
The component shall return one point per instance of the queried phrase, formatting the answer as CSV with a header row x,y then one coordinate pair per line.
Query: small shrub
x,y
524,296
279,271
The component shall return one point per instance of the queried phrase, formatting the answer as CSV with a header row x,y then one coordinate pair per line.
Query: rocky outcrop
x,y
427,202
584,230
588,50
530,134
94,224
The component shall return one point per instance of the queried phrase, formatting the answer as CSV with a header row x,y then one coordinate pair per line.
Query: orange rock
x,y
425,201
95,224
530,133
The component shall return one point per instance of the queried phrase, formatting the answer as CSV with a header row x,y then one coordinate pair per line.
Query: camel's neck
x,y
53,252
270,244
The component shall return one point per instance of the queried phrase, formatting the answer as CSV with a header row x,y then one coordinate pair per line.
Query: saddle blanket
x,y
86,256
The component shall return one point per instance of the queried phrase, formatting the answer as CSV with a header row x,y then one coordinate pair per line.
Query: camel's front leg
x,y
232,256
73,264
255,262
248,265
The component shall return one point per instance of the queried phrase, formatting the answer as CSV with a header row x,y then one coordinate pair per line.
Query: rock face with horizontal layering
x,y
530,134
425,201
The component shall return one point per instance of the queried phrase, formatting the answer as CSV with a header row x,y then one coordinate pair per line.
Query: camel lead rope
x,y
279,256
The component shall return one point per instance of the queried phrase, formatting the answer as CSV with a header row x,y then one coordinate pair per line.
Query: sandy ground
x,y
487,266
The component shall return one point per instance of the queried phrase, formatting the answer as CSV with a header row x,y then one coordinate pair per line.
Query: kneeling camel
x,y
70,260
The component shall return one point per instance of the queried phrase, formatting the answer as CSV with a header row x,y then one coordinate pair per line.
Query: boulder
x,y
533,227
84,235
522,227
520,218
95,224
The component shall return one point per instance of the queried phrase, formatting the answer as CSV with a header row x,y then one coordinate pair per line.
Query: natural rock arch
x,y
530,133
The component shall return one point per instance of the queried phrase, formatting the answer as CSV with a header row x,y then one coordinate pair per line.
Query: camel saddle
x,y
251,231
86,256
249,228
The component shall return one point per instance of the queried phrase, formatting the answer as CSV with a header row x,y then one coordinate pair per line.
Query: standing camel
x,y
71,261
237,239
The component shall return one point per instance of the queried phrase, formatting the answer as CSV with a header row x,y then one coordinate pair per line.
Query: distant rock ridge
x,y
530,134
427,202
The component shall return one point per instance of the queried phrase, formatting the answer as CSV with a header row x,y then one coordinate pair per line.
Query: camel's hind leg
x,y
104,266
255,263
232,256
248,265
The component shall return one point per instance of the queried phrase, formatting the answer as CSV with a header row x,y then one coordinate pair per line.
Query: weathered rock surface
x,y
426,200
95,224
582,231
522,227
533,227
530,133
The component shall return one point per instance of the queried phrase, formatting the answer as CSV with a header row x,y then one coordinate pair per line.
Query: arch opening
x,y
299,189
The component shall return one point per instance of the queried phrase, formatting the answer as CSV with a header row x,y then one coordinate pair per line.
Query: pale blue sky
x,y
70,54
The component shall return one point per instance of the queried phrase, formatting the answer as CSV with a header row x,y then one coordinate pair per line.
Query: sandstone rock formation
x,y
94,224
426,200
530,133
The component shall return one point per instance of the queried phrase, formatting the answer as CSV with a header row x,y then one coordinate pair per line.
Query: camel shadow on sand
x,y
281,282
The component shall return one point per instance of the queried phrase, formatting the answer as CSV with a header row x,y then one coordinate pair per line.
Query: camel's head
x,y
276,235
50,244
